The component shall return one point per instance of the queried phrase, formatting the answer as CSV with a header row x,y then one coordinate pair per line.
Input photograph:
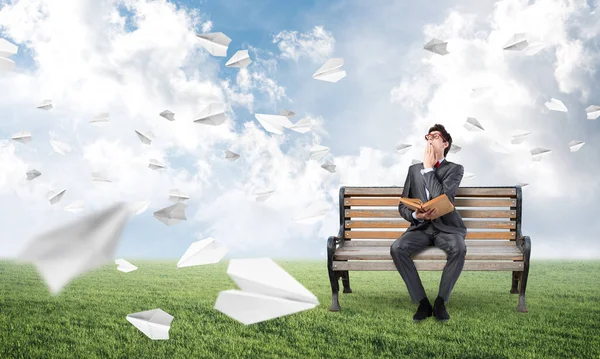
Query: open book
x,y
442,203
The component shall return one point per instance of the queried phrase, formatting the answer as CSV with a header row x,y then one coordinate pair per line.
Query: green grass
x,y
87,319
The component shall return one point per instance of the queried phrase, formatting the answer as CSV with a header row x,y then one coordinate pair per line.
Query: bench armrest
x,y
334,242
523,242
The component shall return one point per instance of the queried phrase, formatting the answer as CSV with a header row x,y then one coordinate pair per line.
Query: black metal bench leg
x,y
346,281
515,282
333,276
522,307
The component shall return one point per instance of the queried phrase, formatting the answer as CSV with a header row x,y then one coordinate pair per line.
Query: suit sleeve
x,y
448,186
406,212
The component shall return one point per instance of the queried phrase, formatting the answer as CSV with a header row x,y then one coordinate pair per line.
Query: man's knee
x,y
399,247
457,247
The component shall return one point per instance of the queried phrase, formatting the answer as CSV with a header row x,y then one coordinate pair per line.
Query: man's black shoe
x,y
424,311
439,310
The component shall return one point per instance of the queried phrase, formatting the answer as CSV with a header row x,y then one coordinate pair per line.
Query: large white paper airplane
x,y
240,59
33,174
574,146
556,105
312,214
175,195
317,152
155,165
64,253
145,137
206,251
263,194
23,137
437,46
213,114
155,323
59,147
403,148
100,119
216,43
267,292
473,125
75,206
328,166
593,112
331,71
168,115
124,266
7,49
519,136
454,148
172,214
45,105
273,123
517,42
538,153
231,156
55,196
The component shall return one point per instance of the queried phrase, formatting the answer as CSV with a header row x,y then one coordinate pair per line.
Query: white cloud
x,y
317,45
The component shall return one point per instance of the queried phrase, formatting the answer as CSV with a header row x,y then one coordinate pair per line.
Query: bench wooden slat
x,y
464,213
458,202
396,234
430,253
388,243
402,223
424,265
461,191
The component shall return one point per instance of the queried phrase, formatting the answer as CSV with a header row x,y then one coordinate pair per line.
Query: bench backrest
x,y
489,213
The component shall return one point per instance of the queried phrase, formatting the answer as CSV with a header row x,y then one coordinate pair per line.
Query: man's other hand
x,y
425,215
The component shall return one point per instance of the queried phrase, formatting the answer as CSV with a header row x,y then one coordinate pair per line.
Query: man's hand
x,y
429,160
425,215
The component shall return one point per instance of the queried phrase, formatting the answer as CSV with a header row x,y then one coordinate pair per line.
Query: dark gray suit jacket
x,y
445,179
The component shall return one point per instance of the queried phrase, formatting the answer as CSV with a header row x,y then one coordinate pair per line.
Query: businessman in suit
x,y
427,180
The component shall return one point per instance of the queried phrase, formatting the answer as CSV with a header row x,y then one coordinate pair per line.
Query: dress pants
x,y
415,241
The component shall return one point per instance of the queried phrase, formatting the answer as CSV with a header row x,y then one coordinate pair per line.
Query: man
x,y
427,180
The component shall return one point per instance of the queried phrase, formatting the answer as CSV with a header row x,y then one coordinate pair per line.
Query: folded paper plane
x,y
328,166
60,147
213,114
168,115
145,137
574,146
45,105
263,194
33,174
172,214
55,196
231,156
124,266
22,137
331,71
216,43
473,125
317,152
273,123
155,323
556,105
177,196
7,49
403,148
206,251
240,59
437,46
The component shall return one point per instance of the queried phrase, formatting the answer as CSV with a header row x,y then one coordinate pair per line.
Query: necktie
x,y
437,164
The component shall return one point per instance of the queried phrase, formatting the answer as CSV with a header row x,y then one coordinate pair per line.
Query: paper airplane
x,y
478,91
468,175
473,125
497,147
206,251
75,207
124,266
155,165
593,112
517,42
168,115
45,105
437,46
231,156
7,49
99,177
155,323
519,136
267,292
287,113
177,196
55,196
273,123
240,59
317,152
311,215
100,119
22,137
331,71
454,148
140,206
574,146
216,43
328,166
538,152
146,137
213,114
403,148
64,253
33,174
556,105
60,147
415,161
263,194
302,126
172,214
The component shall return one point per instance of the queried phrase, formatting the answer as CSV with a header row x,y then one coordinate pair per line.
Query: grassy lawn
x,y
87,320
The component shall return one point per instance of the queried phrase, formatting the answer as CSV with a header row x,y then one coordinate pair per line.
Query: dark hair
x,y
445,134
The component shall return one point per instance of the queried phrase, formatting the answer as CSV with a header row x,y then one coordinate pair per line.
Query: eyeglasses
x,y
434,136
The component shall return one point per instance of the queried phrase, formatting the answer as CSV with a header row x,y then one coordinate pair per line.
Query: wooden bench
x,y
370,223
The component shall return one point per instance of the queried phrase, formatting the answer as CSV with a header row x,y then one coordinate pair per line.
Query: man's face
x,y
436,139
